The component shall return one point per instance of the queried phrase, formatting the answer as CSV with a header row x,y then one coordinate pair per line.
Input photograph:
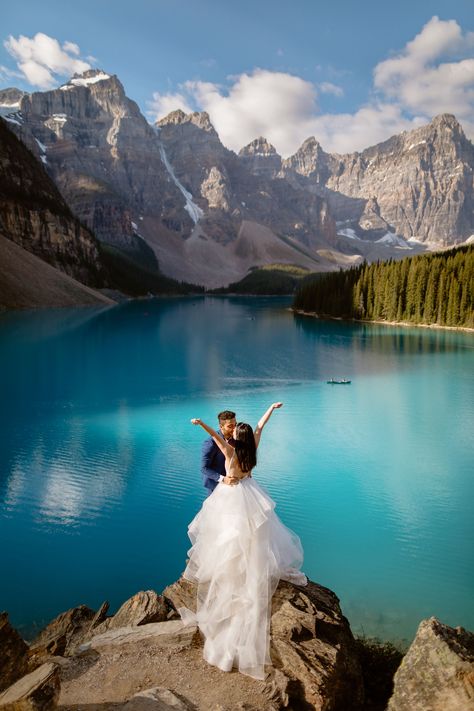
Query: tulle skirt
x,y
240,550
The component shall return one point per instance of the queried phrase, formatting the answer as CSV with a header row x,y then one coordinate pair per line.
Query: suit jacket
x,y
212,464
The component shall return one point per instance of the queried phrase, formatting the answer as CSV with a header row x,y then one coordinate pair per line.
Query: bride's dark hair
x,y
245,446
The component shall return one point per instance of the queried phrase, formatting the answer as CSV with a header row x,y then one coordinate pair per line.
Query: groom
x,y
212,459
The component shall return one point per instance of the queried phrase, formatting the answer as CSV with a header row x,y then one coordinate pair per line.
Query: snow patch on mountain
x,y
42,148
84,81
348,232
193,210
12,120
414,145
394,240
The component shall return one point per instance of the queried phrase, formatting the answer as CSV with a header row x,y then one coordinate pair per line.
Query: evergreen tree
x,y
429,288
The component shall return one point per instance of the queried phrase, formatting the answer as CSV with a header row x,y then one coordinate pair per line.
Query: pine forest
x,y
433,289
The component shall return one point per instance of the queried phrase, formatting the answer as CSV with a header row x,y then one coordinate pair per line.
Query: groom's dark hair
x,y
225,415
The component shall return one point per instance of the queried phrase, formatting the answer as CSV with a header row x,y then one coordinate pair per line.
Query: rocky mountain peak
x,y
261,158
309,159
174,118
11,97
90,76
197,118
258,147
446,121
310,144
202,120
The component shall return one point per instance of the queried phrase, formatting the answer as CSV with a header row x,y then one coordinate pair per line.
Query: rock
x,y
34,215
38,691
157,699
175,198
141,609
99,617
103,155
14,653
181,594
261,158
437,672
311,646
421,180
10,99
172,634
62,634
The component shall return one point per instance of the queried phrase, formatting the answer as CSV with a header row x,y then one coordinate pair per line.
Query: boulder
x,y
61,635
38,691
14,656
157,699
141,609
312,649
181,594
437,672
311,646
171,634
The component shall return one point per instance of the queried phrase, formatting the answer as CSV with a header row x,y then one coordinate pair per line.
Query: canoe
x,y
338,382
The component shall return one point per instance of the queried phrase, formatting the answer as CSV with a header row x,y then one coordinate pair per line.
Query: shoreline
x,y
404,324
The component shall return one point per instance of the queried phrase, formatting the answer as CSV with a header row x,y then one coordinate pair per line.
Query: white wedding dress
x,y
240,550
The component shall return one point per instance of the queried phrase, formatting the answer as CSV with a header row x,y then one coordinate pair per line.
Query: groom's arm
x,y
208,461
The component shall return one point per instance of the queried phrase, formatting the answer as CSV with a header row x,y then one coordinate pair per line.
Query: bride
x,y
240,550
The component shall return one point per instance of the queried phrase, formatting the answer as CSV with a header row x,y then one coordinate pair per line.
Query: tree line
x,y
435,288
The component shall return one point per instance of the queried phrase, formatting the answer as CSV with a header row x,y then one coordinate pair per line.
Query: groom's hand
x,y
230,480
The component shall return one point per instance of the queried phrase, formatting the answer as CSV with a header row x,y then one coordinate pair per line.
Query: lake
x,y
99,464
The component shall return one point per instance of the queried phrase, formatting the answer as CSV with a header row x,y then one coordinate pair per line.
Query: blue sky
x,y
350,73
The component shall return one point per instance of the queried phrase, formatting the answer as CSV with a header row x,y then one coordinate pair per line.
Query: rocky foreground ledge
x,y
144,659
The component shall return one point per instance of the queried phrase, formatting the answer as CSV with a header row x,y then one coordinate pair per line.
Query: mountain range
x,y
172,197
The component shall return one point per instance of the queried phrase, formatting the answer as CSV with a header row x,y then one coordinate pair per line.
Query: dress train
x,y
240,550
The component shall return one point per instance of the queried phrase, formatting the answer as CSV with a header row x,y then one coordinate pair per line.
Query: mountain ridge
x,y
175,186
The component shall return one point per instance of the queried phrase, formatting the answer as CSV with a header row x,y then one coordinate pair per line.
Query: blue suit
x,y
212,464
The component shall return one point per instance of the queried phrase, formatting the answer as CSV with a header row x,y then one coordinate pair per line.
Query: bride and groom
x,y
240,550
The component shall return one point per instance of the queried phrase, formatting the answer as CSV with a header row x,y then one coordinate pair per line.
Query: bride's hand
x,y
196,421
230,480
276,405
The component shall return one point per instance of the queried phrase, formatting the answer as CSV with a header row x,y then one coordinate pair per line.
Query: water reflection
x,y
63,475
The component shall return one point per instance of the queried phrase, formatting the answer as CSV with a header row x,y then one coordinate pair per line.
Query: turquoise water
x,y
99,466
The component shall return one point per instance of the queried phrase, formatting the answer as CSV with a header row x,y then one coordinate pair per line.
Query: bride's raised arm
x,y
225,448
263,421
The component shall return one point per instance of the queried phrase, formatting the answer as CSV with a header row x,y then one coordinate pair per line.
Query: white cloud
x,y
284,109
327,88
270,104
419,80
433,74
163,104
72,48
41,59
6,73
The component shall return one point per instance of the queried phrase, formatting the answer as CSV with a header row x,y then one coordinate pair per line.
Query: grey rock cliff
x,y
210,215
103,156
243,197
34,215
421,182
175,186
